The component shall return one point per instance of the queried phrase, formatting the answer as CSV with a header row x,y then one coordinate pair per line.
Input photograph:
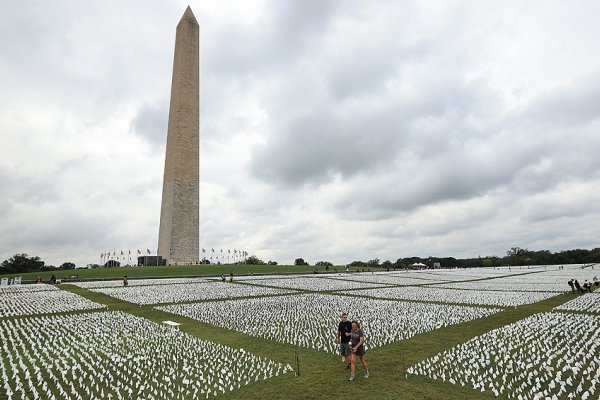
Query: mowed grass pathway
x,y
323,376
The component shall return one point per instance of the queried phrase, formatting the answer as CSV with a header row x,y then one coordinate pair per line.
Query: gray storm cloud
x,y
329,130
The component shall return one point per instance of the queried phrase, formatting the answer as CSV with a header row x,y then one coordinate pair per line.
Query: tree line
x,y
20,263
514,256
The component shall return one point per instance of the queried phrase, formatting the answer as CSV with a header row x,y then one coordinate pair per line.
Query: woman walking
x,y
357,341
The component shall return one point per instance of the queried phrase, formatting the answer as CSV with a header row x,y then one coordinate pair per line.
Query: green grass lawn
x,y
322,375
173,271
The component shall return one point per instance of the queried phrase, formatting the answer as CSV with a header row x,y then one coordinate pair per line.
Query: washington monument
x,y
178,236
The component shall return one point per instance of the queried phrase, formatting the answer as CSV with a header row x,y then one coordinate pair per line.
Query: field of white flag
x,y
587,303
185,292
116,355
310,320
40,299
56,344
545,356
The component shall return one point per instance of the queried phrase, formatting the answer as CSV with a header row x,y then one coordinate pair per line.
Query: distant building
x,y
151,261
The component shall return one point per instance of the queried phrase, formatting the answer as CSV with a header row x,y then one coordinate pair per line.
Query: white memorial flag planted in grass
x,y
588,302
315,283
309,320
482,297
384,279
115,355
137,282
181,292
19,289
545,356
41,299
506,285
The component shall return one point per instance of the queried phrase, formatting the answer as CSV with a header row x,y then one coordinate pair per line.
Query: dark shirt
x,y
344,327
356,337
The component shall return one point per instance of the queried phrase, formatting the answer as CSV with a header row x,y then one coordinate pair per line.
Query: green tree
x,y
359,264
253,260
21,263
300,261
67,265
324,264
516,251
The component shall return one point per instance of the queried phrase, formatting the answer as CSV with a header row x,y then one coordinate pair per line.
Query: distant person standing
x,y
125,281
357,343
343,338
572,284
578,287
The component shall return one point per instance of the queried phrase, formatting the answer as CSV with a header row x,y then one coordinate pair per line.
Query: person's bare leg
x,y
365,366
352,367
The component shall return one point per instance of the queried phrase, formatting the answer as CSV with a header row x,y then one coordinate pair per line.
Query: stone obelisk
x,y
178,236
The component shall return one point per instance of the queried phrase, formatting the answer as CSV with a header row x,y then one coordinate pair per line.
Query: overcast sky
x,y
330,130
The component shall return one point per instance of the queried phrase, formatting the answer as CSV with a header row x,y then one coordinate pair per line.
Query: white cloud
x,y
329,130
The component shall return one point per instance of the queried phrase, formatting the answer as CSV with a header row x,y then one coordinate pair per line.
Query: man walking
x,y
343,338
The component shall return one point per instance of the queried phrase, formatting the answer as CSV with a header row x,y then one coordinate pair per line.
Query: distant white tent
x,y
418,265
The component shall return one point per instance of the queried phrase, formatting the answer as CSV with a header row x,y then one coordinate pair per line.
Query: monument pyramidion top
x,y
188,16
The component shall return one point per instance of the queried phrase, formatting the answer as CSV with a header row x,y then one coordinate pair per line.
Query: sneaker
x,y
367,374
343,359
351,377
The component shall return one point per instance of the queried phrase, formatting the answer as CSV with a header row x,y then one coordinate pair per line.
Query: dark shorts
x,y
345,349
360,351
